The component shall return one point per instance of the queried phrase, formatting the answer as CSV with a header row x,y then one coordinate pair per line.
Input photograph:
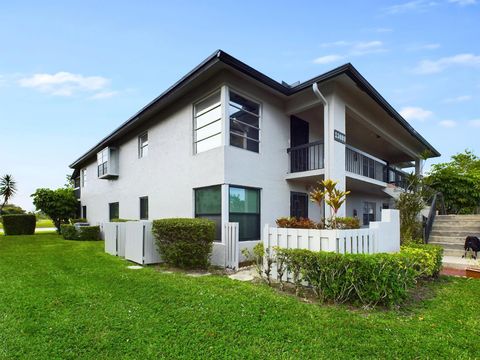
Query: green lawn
x,y
43,223
69,300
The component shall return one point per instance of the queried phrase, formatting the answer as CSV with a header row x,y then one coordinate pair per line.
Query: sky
x,y
71,72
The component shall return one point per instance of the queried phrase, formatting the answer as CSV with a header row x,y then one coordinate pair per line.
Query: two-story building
x,y
228,143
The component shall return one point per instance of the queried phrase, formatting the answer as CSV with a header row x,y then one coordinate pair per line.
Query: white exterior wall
x,y
355,201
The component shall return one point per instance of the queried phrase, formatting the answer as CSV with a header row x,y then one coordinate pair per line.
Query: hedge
x,y
427,258
367,279
186,243
84,233
19,224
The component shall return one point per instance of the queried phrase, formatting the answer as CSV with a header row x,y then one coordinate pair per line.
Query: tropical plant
x,y
459,182
59,205
8,188
327,192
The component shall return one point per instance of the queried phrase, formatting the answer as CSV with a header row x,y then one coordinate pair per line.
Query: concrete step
x,y
454,232
457,262
448,245
447,239
455,252
456,225
457,217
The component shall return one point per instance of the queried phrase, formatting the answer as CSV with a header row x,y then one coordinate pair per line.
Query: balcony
x,y
363,164
307,157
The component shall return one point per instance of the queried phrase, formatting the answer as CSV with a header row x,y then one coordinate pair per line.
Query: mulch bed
x,y
453,272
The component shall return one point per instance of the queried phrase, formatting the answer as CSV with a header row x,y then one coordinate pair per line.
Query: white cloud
x,y
382,30
432,67
104,95
474,123
416,5
458,99
64,83
447,123
431,46
327,59
463,2
350,48
415,113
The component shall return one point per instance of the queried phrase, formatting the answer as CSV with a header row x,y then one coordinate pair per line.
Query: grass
x,y
41,224
68,299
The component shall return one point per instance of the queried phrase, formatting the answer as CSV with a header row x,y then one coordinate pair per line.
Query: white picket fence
x,y
381,236
132,240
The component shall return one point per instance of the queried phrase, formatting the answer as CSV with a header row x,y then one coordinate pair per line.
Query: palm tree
x,y
8,188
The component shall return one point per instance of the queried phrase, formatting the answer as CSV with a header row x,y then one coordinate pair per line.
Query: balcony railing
x,y
360,163
306,157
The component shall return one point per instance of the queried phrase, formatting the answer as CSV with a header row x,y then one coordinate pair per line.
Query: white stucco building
x,y
228,143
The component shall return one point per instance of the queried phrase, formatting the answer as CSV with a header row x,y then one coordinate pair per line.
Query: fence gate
x,y
232,251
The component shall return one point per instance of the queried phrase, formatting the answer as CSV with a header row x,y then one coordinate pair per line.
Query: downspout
x,y
326,134
326,127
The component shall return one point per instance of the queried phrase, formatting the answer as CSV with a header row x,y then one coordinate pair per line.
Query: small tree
x,y
333,197
8,188
59,205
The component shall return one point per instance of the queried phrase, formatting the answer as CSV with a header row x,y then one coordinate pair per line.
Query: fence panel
x,y
232,251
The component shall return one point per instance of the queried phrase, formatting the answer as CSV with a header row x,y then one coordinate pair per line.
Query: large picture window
x,y
208,205
244,117
208,123
245,209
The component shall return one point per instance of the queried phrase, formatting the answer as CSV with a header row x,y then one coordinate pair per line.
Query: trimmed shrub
x,y
427,259
80,220
296,223
69,232
84,233
347,223
357,278
121,220
185,243
19,224
89,233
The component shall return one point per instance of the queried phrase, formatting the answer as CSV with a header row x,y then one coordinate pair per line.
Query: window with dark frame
x,y
84,211
143,145
113,211
244,118
244,208
208,205
102,162
368,212
208,123
144,208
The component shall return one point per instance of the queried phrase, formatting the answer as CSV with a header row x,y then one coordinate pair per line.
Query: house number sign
x,y
340,137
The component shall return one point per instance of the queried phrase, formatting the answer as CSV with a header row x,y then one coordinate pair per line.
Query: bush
x,y
19,224
357,278
345,223
121,220
69,232
80,220
293,222
185,243
89,233
427,259
84,233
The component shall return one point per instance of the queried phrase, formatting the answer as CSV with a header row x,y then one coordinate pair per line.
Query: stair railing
x,y
428,222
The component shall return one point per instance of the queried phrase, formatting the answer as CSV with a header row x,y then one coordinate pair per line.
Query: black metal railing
x,y
396,177
306,157
361,164
437,203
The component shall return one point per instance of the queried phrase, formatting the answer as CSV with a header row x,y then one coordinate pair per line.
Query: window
x,y
102,162
208,123
143,145
208,205
144,208
245,209
244,122
299,205
84,211
368,212
83,177
113,211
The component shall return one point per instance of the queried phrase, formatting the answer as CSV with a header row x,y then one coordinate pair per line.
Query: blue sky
x,y
70,72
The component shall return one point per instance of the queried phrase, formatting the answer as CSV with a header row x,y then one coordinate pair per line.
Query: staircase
x,y
450,231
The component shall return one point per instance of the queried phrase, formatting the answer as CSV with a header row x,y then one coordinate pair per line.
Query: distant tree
x,y
12,209
59,205
459,182
8,188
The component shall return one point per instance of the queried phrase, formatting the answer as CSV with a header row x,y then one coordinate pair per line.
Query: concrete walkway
x,y
457,262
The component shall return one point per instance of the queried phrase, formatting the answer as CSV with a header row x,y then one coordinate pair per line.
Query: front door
x,y
298,205
299,134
